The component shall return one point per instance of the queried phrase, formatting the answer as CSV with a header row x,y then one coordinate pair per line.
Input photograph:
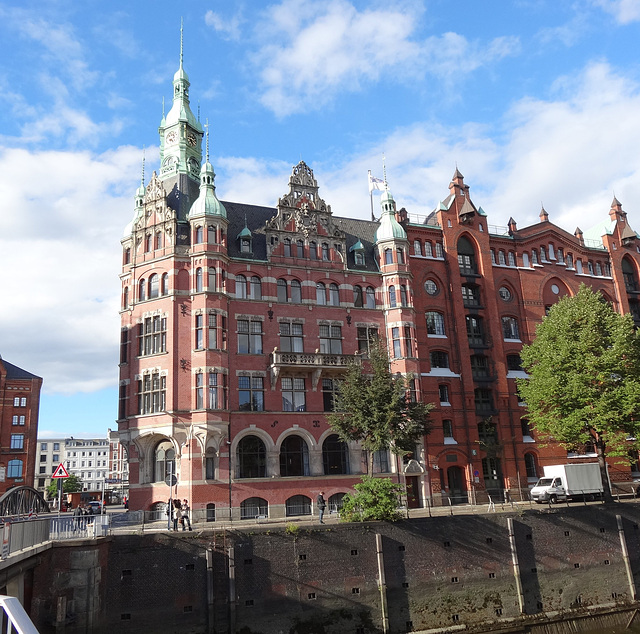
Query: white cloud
x,y
310,51
623,11
228,27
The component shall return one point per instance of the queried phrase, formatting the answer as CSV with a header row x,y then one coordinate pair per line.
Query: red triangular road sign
x,y
60,472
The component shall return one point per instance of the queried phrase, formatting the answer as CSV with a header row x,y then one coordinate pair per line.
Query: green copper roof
x,y
358,246
245,233
207,203
389,228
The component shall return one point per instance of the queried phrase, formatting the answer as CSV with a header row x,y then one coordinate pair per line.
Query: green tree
x,y
584,377
374,499
72,484
374,407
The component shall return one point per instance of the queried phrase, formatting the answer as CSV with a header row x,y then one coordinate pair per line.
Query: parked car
x,y
96,507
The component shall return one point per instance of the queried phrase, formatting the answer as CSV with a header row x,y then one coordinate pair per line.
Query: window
x,y
514,362
371,297
530,465
483,400
282,291
249,336
127,256
293,395
313,250
330,390
570,262
164,284
403,296
211,234
147,243
534,256
43,446
435,323
141,290
395,338
479,366
199,235
334,295
543,254
330,339
358,298
251,458
439,359
392,296
443,392
287,247
447,428
14,469
291,339
417,247
164,459
245,245
475,330
325,251
511,258
590,267
300,248
199,285
526,429
152,393
199,332
152,337
466,257
598,269
321,294
470,295
294,457
408,337
431,287
560,253
255,288
428,251
358,258
251,393
296,292
125,297
216,391
628,275
439,250
154,286
510,328
504,293
17,441
400,256
501,258
217,332
298,505
253,507
241,287
335,456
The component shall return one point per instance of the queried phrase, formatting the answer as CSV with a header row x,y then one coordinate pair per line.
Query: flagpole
x,y
371,197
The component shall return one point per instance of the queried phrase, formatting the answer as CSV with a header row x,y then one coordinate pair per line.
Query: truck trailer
x,y
567,481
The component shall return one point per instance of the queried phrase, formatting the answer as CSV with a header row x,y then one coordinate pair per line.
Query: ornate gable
x,y
302,214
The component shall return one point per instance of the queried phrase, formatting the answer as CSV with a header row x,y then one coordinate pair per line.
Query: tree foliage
x,y
374,407
374,499
584,377
72,484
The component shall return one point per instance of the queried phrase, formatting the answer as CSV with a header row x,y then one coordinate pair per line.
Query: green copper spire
x,y
207,203
390,228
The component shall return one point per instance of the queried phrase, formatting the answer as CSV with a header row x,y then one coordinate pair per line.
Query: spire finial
x,y
181,40
384,171
163,106
198,109
206,125
143,157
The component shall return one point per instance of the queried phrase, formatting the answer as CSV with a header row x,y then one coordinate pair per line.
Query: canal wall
x,y
483,572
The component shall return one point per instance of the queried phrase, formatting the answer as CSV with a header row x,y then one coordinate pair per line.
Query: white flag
x,y
375,183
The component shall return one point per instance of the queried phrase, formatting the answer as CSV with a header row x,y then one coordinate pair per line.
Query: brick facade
x,y
237,321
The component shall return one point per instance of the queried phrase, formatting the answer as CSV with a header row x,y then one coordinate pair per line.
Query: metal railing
x,y
16,618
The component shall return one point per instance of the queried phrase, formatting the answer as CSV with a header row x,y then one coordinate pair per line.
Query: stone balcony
x,y
316,363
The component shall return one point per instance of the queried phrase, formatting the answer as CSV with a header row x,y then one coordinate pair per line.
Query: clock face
x,y
172,137
191,139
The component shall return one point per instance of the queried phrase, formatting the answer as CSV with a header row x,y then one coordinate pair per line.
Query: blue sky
x,y
535,101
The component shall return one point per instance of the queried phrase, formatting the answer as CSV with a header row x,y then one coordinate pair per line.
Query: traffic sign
x,y
171,480
60,472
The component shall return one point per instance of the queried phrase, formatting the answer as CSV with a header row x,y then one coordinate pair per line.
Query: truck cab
x,y
548,490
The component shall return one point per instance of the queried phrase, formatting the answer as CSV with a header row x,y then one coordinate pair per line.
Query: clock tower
x,y
180,144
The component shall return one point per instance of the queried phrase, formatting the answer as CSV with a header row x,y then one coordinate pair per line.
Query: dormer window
x,y
359,258
245,245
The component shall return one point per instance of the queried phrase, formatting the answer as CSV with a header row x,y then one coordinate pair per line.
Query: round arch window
x,y
505,294
431,287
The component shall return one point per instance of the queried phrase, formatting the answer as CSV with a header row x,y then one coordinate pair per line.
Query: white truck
x,y
565,481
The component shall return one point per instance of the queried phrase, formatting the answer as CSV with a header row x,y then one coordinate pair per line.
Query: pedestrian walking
x,y
175,510
77,514
185,515
322,505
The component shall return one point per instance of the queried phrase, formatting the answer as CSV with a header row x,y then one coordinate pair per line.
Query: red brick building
x,y
239,320
19,407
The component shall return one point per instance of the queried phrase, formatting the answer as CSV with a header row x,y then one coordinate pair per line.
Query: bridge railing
x,y
16,616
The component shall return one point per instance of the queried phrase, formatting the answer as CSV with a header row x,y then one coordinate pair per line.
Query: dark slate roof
x,y
257,217
14,372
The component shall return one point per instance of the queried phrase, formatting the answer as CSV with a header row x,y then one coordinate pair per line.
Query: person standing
x,y
322,505
185,515
175,509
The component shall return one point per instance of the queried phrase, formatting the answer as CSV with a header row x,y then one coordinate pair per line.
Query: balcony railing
x,y
315,362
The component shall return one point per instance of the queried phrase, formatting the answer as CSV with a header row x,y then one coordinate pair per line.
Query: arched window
x,y
334,295
313,250
300,249
534,256
241,287
287,247
466,257
141,290
511,258
251,458
125,297
14,468
164,460
335,456
294,457
321,294
510,328
325,251
400,254
282,291
417,247
530,465
359,258
147,243
256,287
199,235
298,505
127,256
403,295
154,286
335,502
211,239
357,296
392,296
211,279
164,284
199,280
388,256
296,292
253,507
628,274
371,297
158,240
428,250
